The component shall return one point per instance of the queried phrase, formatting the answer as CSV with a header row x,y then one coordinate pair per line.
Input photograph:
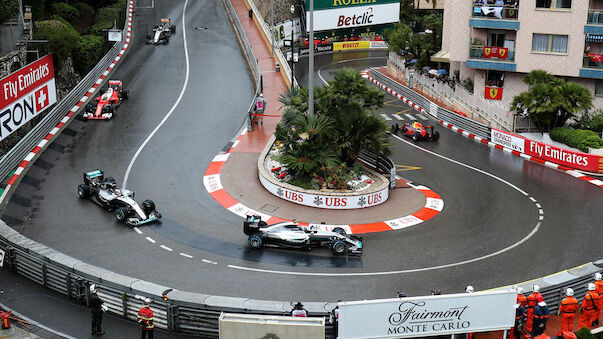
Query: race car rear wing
x,y
252,224
164,20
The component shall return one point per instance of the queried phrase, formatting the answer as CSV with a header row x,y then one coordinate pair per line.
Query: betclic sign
x,y
427,316
354,16
25,94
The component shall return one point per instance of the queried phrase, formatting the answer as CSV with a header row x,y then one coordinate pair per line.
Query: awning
x,y
594,38
441,56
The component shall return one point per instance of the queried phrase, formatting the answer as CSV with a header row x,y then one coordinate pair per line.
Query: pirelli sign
x,y
25,94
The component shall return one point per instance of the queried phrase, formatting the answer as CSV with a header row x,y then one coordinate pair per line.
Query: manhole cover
x,y
269,208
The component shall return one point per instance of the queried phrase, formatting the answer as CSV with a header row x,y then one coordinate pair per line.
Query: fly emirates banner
x,y
25,94
342,16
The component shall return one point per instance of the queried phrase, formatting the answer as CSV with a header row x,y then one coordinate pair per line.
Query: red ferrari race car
x,y
417,131
103,107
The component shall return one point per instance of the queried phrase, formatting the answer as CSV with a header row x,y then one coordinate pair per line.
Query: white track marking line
x,y
137,230
173,107
151,240
422,269
166,248
384,116
421,116
397,116
209,261
409,116
186,255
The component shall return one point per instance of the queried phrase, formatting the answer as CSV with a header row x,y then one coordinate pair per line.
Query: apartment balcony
x,y
491,57
594,23
495,17
592,66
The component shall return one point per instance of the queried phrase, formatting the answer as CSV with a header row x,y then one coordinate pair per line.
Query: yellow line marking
x,y
406,168
406,110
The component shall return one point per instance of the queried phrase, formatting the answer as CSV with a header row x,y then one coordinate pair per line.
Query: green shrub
x,y
65,11
592,121
107,16
8,9
62,39
579,138
90,49
584,333
302,181
86,14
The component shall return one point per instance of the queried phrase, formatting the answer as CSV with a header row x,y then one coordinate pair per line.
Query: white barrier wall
x,y
236,326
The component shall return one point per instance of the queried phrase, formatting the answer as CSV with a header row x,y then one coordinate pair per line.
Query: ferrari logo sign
x,y
495,52
493,93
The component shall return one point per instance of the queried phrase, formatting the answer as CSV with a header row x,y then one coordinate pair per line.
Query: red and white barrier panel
x,y
519,151
44,142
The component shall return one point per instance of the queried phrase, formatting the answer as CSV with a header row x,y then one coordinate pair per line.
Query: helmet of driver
x,y
469,289
569,292
519,290
536,288
591,287
598,276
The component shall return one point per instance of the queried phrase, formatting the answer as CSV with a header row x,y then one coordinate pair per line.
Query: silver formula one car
x,y
161,33
104,192
290,235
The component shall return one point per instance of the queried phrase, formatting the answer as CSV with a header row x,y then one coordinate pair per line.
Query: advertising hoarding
x,y
349,45
427,316
354,16
578,160
25,94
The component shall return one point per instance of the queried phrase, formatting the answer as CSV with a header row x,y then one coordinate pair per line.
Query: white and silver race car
x,y
161,33
104,192
289,234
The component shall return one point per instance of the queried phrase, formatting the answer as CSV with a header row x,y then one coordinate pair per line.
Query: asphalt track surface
x,y
204,249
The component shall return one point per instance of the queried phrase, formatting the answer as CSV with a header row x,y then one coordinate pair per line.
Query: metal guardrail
x,y
245,50
381,163
13,157
438,112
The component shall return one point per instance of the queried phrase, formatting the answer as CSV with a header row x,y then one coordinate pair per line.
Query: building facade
x,y
495,43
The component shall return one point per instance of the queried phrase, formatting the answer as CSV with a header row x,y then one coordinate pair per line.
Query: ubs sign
x,y
25,94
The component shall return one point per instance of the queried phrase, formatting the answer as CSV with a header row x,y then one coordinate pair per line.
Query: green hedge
x,y
107,16
65,11
87,14
579,138
88,52
62,38
8,9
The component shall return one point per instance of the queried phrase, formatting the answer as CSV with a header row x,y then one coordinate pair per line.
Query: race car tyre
x,y
125,94
436,136
148,206
395,128
339,230
255,241
173,29
415,137
120,214
90,107
83,191
338,247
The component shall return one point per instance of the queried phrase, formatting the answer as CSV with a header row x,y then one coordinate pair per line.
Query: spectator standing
x,y
568,308
299,310
334,319
260,107
599,290
589,307
145,319
541,317
96,307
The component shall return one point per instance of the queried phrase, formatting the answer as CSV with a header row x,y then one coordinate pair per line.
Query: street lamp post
x,y
311,63
292,48
272,27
